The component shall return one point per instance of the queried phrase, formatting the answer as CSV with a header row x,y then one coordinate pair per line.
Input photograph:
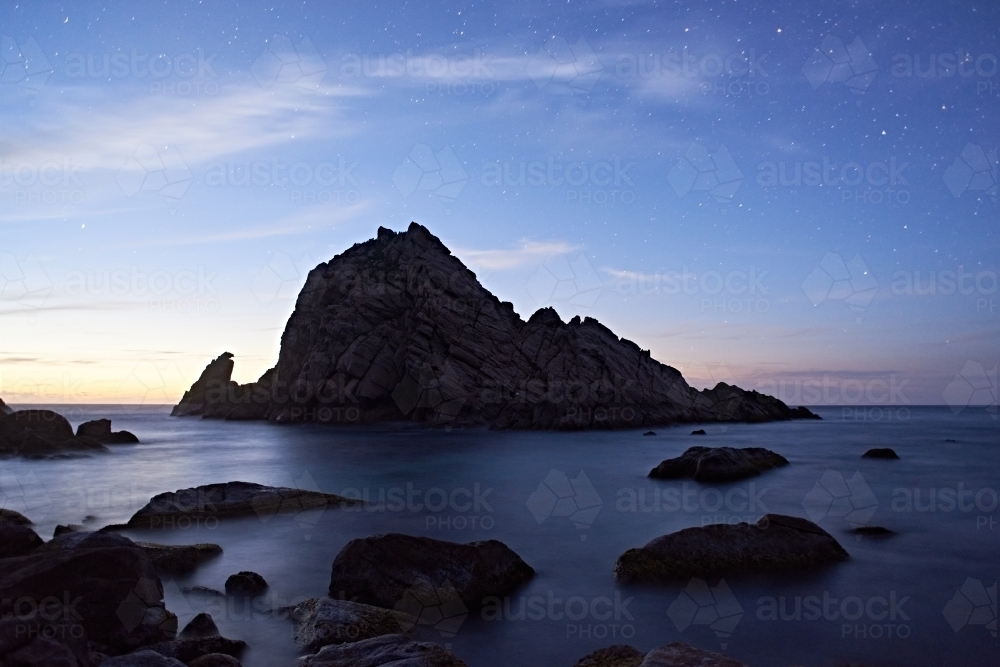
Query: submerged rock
x,y
650,433
872,531
394,570
880,453
232,499
246,584
776,543
385,650
100,430
179,559
699,431
397,328
321,622
718,464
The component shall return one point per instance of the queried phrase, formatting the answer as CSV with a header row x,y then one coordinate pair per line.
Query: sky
x,y
798,197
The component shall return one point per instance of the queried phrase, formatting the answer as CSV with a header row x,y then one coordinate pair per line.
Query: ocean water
x,y
570,504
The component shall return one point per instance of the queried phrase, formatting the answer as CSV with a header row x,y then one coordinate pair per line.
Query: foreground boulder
x,y
397,328
41,433
233,499
395,650
676,654
215,660
718,464
10,516
102,582
180,559
100,430
186,650
880,453
387,570
776,543
321,622
144,658
17,539
41,643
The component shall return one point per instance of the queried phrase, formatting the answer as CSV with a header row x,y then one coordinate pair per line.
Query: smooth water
x,y
900,594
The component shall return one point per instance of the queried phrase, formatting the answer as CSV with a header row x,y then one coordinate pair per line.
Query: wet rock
x,y
203,590
880,453
38,643
246,584
699,431
100,430
679,654
390,570
215,660
232,499
187,650
120,595
650,433
67,528
619,655
776,543
385,650
397,328
321,622
872,531
42,434
718,464
144,658
17,540
180,559
10,516
200,626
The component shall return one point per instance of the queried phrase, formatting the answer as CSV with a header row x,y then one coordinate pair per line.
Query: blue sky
x,y
789,197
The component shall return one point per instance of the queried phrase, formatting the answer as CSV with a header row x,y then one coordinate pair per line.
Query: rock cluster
x,y
397,328
718,464
776,543
44,433
383,650
100,430
675,654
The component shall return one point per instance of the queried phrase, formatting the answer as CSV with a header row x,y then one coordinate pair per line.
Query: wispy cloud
x,y
529,252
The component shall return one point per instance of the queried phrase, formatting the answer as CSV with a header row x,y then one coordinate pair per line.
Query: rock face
x,y
232,499
320,623
180,559
676,654
100,430
397,328
108,584
880,453
718,464
385,650
776,543
41,433
392,570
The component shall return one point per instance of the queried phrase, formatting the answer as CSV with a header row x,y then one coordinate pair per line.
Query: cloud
x,y
530,252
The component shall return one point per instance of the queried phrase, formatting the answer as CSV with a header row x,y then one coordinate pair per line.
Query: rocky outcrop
x,y
385,650
246,584
676,654
397,328
231,499
4,408
321,622
100,430
880,453
394,570
40,434
202,625
99,581
718,464
776,543
179,559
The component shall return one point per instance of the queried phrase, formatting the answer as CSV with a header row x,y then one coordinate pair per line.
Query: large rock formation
x,y
397,328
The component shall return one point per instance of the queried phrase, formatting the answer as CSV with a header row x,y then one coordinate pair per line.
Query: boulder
x,y
108,586
321,622
699,431
392,570
398,329
718,464
144,658
872,531
650,433
776,543
679,654
246,584
618,655
880,453
231,499
389,650
200,626
100,430
67,528
215,660
39,643
187,650
41,433
17,539
10,516
178,560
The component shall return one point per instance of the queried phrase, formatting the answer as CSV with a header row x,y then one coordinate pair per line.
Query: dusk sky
x,y
800,200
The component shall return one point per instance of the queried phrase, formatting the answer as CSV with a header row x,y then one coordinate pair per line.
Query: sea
x,y
569,504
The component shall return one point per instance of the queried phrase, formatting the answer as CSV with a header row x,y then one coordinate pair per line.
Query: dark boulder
x,y
10,516
215,660
232,499
200,626
100,430
394,650
35,642
143,658
321,622
872,531
187,650
618,655
246,584
880,453
41,433
17,539
387,570
776,543
650,433
105,584
67,528
718,464
699,431
178,560
679,654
